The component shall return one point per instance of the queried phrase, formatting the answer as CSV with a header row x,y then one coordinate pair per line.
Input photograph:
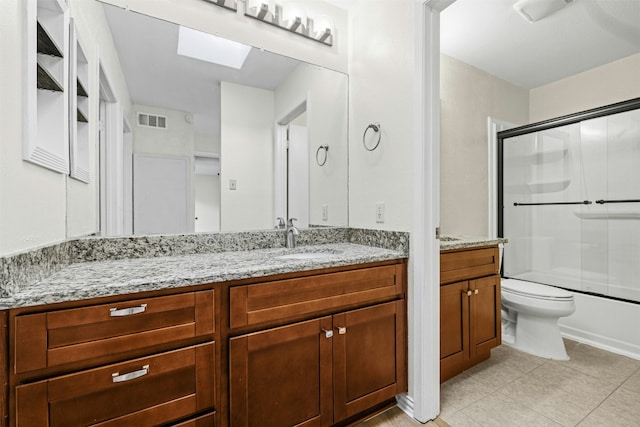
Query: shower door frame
x,y
607,110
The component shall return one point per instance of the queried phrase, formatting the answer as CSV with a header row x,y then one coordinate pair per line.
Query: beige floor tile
x,y
603,418
498,410
602,364
459,419
519,360
585,387
633,383
459,392
495,373
561,406
625,403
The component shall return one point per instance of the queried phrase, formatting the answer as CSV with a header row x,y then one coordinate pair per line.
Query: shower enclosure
x,y
569,201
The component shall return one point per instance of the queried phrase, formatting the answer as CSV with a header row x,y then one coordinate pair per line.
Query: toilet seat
x,y
534,290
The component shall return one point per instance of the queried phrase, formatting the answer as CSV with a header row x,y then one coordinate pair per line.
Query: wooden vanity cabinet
x,y
470,314
328,369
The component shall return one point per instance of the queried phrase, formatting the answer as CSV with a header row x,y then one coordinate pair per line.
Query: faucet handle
x,y
280,222
291,221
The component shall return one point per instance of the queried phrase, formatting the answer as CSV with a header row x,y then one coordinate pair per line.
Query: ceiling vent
x,y
152,121
535,10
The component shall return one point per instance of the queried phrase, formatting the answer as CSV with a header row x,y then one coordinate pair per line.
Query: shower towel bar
x,y
602,202
584,202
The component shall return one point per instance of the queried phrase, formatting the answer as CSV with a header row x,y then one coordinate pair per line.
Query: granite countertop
x,y
465,242
117,277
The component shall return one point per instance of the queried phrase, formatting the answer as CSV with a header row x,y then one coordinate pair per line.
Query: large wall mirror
x,y
231,147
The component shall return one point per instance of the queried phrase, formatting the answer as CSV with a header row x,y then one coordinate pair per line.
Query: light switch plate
x,y
325,212
232,184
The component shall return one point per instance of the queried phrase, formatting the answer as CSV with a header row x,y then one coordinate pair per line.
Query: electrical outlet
x,y
325,212
232,184
380,213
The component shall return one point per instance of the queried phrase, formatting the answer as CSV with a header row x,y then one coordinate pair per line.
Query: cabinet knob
x,y
468,292
475,291
328,333
341,330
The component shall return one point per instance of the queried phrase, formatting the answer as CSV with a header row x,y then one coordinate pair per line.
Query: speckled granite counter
x,y
465,242
116,277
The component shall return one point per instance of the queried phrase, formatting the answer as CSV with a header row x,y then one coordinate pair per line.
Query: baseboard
x,y
405,403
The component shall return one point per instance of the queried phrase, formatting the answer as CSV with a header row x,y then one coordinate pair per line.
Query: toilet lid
x,y
534,290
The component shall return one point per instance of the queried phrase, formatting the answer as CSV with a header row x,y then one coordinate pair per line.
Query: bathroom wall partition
x,y
569,201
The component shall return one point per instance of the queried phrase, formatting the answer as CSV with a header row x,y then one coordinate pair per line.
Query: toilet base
x,y
539,336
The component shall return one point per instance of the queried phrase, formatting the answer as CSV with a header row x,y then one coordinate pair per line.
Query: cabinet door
x,y
282,376
454,328
369,357
485,316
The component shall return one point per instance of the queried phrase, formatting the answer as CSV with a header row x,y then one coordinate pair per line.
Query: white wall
x,y
246,156
468,97
382,89
210,18
326,94
610,83
37,206
178,139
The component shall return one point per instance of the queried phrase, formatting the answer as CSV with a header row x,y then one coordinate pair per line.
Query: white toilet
x,y
530,314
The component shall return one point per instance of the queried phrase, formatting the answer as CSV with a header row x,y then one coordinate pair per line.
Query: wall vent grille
x,y
152,121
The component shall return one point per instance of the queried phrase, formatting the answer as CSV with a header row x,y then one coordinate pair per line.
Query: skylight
x,y
207,47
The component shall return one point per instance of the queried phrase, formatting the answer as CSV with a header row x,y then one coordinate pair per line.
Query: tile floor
x,y
593,389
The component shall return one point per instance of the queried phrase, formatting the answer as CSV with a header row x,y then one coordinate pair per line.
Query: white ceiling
x,y
492,36
157,76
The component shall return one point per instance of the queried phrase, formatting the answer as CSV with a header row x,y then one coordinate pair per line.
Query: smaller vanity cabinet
x,y
147,361
325,370
470,324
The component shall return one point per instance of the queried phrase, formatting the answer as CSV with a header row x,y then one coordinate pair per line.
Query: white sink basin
x,y
309,255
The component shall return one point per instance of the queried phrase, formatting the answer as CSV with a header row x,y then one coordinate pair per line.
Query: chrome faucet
x,y
292,232
280,224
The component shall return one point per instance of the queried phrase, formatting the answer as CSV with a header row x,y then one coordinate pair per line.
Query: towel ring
x,y
324,148
376,128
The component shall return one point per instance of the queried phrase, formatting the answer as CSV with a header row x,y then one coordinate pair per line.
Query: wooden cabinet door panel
x,y
282,376
203,421
75,335
369,353
146,391
454,328
485,315
274,301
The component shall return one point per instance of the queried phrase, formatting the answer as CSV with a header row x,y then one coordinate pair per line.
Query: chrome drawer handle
x,y
117,378
114,312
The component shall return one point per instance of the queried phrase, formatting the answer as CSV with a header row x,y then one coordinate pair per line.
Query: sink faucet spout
x,y
292,232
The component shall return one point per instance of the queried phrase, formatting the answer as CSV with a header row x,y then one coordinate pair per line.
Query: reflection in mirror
x,y
227,147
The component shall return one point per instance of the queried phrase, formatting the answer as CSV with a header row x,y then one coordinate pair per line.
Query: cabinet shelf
x,y
46,80
81,91
81,117
46,44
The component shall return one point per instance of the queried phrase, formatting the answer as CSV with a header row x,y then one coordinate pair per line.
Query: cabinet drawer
x,y
57,338
274,301
203,421
468,264
147,391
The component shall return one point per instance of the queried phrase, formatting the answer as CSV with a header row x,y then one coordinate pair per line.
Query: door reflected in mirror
x,y
209,142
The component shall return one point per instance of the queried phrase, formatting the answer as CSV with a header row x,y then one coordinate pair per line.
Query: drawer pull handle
x,y
114,312
327,333
117,378
341,330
